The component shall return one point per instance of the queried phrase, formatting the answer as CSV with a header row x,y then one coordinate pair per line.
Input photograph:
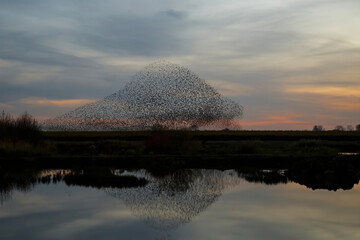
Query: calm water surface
x,y
186,204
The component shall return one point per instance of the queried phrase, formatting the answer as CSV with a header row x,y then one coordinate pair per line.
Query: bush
x,y
339,128
7,125
24,128
318,128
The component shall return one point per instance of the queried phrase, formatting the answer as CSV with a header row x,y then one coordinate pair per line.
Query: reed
x,y
20,129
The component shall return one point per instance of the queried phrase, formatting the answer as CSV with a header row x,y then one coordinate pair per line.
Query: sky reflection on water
x,y
188,204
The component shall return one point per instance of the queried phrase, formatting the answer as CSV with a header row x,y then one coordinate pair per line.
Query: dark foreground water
x,y
183,204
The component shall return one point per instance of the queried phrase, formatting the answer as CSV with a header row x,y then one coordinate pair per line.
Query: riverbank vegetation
x,y
20,136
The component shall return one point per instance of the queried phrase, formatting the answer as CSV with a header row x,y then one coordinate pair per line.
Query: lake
x,y
179,204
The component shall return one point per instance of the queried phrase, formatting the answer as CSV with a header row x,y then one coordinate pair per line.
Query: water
x,y
183,204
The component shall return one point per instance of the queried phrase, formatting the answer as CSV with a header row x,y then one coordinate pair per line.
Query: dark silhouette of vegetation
x,y
270,177
318,128
15,178
25,178
223,146
194,127
358,127
104,181
349,128
330,174
339,128
21,129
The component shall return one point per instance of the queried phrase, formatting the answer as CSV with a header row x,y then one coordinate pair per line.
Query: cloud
x,y
28,48
58,103
4,105
227,88
330,104
155,36
277,122
174,13
42,108
328,97
325,90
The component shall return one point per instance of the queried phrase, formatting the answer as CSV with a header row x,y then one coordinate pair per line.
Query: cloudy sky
x,y
291,63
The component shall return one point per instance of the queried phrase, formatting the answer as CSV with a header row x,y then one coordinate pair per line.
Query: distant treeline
x,y
338,128
21,128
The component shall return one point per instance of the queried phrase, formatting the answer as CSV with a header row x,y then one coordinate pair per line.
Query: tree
x,y
318,128
349,128
358,127
194,127
339,128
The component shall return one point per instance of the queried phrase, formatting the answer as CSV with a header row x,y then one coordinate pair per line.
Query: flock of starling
x,y
163,94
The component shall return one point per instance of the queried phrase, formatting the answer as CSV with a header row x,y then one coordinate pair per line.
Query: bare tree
x,y
339,128
318,128
194,127
349,128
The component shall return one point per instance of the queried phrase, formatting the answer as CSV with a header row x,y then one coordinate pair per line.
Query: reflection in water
x,y
167,200
24,179
191,190
331,174
269,177
164,201
174,199
102,178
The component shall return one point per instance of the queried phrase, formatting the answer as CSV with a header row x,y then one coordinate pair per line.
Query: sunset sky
x,y
291,63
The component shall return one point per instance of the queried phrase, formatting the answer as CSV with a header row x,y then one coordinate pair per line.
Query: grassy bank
x,y
197,145
210,135
204,143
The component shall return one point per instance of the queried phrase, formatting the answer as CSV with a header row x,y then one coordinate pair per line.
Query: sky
x,y
292,64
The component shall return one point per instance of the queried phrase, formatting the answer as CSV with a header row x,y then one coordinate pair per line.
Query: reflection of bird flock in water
x,y
162,94
171,201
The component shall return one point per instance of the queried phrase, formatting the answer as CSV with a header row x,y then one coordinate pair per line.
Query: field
x,y
213,135
198,146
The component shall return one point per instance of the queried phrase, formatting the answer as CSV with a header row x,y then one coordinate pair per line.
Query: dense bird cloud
x,y
71,50
162,94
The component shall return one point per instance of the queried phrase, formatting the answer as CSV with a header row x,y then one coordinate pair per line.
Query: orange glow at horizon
x,y
274,120
326,90
58,103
